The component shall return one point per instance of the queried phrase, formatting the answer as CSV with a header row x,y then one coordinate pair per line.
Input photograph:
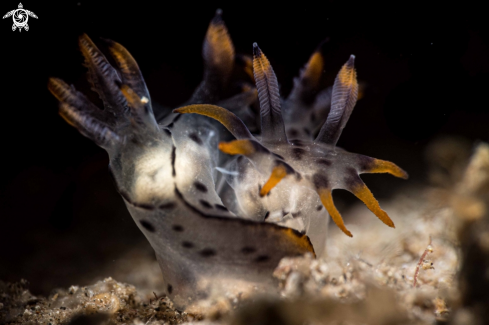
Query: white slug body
x,y
214,220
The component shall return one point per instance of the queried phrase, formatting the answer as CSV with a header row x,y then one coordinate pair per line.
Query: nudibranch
x,y
224,220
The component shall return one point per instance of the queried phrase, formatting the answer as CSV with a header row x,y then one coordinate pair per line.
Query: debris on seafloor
x,y
105,302
367,279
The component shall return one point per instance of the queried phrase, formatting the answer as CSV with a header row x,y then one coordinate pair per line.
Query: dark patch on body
x,y
207,252
297,142
364,162
324,162
320,181
352,179
167,206
144,206
195,138
262,258
177,228
169,289
267,215
319,207
187,244
307,131
205,204
298,153
293,132
200,187
167,132
147,225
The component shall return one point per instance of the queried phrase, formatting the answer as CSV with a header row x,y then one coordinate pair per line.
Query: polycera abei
x,y
224,220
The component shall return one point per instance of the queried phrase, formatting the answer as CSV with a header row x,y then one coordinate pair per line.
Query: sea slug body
x,y
224,220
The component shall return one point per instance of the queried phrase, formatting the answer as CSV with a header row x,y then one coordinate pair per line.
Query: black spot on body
x,y
322,161
320,181
169,288
267,215
187,244
200,187
207,252
205,204
319,207
173,157
248,250
168,132
298,153
195,138
170,125
167,206
220,207
148,226
177,228
262,258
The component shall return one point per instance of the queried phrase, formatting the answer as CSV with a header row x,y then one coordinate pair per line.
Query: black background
x,y
425,67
